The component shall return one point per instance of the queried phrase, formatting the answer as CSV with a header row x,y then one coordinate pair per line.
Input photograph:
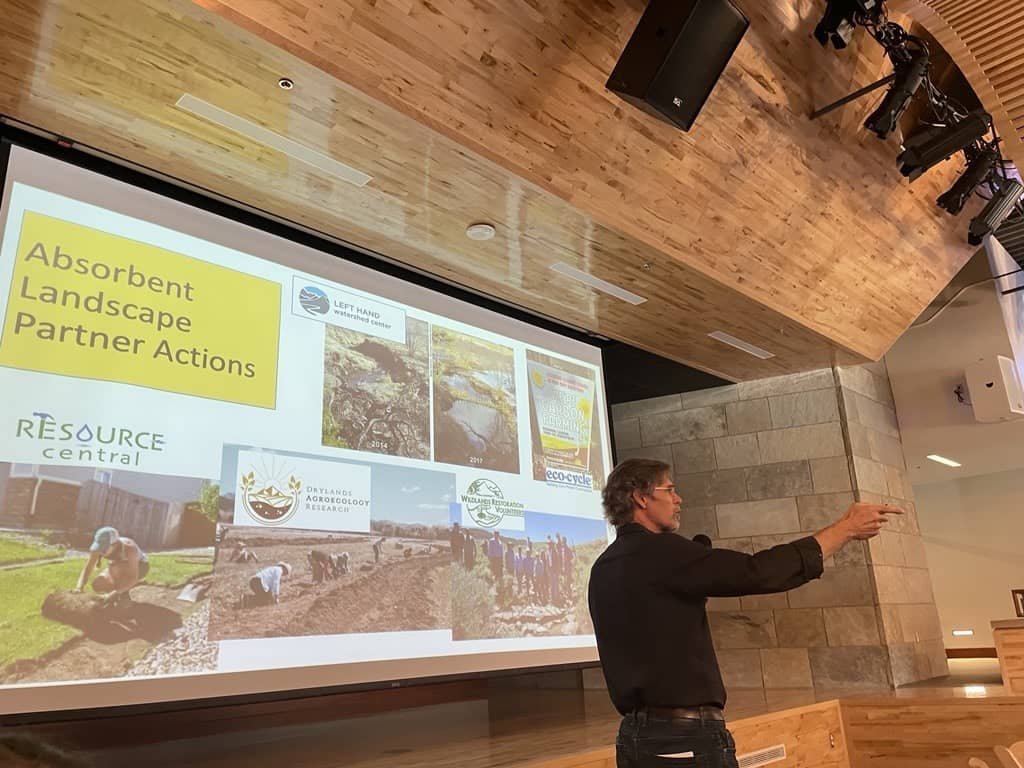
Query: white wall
x,y
973,529
1012,305
926,365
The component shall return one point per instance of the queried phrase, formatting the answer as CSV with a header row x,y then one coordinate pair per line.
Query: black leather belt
x,y
683,713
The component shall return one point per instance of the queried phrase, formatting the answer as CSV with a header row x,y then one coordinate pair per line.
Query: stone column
x,y
907,614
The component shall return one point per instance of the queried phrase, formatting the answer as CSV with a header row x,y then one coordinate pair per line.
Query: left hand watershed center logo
x,y
314,300
266,502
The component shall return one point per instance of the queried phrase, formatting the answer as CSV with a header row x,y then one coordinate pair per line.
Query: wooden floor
x,y
506,730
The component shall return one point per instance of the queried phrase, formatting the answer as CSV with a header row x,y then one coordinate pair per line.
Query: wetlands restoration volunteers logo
x,y
268,504
486,503
91,304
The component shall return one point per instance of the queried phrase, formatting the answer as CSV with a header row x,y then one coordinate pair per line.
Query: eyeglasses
x,y
669,488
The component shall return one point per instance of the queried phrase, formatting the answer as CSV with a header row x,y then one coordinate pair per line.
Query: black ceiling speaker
x,y
676,55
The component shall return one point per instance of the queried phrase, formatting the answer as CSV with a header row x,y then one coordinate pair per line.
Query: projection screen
x,y
232,464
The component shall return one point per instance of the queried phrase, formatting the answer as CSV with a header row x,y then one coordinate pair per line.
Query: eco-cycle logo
x,y
487,505
90,442
314,300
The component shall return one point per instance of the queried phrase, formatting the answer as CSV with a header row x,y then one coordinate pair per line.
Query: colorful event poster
x,y
565,431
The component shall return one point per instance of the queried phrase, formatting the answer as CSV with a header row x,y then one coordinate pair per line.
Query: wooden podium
x,y
1009,639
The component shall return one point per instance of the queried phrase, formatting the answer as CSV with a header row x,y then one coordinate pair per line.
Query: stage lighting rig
x,y
930,147
980,165
999,208
949,127
911,71
841,18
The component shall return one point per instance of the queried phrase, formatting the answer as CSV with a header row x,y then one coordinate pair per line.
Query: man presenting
x,y
647,597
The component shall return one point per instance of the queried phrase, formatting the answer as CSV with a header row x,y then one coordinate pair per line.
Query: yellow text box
x,y
91,304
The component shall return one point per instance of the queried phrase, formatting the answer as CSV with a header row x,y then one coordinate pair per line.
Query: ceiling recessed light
x,y
746,346
267,138
480,231
943,460
597,283
286,83
963,633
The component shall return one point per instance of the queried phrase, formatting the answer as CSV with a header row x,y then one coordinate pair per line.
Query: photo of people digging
x,y
106,573
303,582
285,582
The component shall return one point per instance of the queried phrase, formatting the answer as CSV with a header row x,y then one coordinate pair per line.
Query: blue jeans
x,y
643,739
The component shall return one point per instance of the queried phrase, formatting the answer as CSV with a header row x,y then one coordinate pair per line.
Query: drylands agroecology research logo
x,y
314,300
266,503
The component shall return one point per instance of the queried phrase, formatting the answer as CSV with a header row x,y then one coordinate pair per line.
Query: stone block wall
x,y
769,461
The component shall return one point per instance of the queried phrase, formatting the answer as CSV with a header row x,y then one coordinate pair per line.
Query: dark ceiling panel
x,y
633,374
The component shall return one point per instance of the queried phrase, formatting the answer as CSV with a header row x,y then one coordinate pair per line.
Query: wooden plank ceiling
x,y
799,237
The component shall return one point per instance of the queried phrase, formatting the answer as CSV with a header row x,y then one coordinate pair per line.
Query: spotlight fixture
x,y
909,76
930,147
838,22
978,169
996,212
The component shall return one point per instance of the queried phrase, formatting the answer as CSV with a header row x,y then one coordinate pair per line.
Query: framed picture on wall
x,y
1018,601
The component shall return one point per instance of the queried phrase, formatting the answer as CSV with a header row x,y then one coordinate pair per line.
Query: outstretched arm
x,y
697,571
861,521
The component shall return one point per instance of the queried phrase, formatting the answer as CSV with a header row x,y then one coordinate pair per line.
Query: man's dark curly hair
x,y
629,476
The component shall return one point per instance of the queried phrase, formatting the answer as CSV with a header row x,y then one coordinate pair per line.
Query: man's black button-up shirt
x,y
647,596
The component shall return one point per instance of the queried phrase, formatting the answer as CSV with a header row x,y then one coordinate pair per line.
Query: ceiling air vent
x,y
765,756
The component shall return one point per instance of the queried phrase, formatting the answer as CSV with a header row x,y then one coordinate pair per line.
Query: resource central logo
x,y
89,442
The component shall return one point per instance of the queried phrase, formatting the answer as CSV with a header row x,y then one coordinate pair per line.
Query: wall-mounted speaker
x,y
677,53
995,389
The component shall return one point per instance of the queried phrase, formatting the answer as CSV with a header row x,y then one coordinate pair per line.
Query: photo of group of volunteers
x,y
104,572
289,582
523,583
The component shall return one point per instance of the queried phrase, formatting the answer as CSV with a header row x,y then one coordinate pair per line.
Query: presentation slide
x,y
232,464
